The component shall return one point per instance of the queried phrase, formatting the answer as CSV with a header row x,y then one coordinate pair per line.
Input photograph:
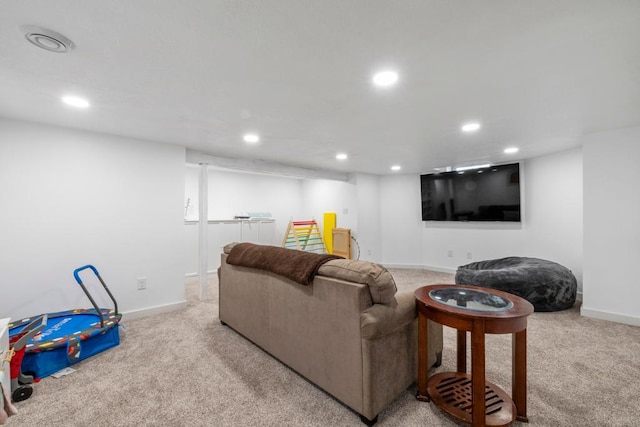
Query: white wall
x,y
320,196
408,241
367,235
400,219
611,225
231,192
356,204
383,213
469,242
191,192
554,210
357,207
553,181
71,198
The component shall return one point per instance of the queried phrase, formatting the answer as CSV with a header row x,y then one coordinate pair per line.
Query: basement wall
x,y
71,198
612,225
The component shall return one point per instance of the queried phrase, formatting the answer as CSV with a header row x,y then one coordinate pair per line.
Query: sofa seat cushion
x,y
381,285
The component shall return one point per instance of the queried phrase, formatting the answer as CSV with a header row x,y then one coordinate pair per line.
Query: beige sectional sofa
x,y
348,331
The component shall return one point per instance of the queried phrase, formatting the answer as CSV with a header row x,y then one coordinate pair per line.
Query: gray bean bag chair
x,y
547,285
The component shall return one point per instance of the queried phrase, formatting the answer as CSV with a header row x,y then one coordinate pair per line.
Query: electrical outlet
x,y
142,283
450,253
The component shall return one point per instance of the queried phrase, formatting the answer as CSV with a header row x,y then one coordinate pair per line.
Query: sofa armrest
x,y
382,319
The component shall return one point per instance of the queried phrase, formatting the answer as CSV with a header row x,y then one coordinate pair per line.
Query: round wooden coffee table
x,y
469,398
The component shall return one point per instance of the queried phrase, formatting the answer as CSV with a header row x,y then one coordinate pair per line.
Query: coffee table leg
x,y
423,357
519,375
477,374
462,352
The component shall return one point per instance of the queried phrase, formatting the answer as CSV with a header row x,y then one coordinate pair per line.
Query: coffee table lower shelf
x,y
451,392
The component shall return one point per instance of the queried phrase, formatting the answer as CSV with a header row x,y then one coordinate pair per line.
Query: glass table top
x,y
471,299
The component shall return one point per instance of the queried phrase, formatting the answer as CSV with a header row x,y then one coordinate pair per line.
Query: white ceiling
x,y
536,74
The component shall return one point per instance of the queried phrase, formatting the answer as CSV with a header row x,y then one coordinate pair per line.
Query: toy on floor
x,y
20,383
70,336
304,236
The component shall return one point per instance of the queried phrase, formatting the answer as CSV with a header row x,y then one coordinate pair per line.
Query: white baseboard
x,y
150,311
450,270
423,267
196,274
612,317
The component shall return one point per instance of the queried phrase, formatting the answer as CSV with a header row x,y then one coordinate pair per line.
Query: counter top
x,y
231,220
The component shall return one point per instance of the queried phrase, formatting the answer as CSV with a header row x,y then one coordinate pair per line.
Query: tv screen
x,y
486,194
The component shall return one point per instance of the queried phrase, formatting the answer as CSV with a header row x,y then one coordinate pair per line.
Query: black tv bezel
x,y
516,220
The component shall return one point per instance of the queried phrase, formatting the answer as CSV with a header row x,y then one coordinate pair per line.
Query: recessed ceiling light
x,y
341,156
511,150
470,127
251,138
396,167
385,78
75,101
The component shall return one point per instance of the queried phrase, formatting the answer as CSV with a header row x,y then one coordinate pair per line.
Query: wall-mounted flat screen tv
x,y
486,194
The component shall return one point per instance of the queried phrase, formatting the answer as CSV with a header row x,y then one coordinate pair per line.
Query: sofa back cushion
x,y
381,285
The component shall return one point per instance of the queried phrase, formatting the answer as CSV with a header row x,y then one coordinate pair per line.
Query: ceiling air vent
x,y
47,39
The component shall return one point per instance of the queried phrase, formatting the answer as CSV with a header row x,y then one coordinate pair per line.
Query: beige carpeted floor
x,y
186,369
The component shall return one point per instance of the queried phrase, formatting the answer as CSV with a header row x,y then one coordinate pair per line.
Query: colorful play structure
x,y
306,236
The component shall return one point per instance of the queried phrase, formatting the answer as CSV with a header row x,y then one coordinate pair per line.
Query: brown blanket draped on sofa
x,y
295,265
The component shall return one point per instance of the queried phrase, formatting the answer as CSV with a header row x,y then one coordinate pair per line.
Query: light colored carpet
x,y
186,369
